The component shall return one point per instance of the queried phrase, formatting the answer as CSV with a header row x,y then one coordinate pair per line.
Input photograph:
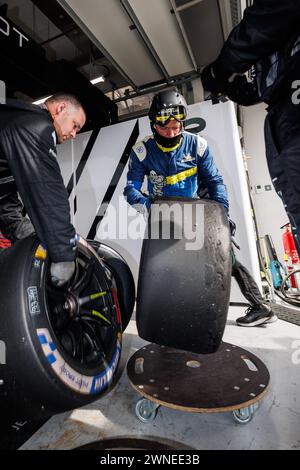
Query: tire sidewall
x,y
35,357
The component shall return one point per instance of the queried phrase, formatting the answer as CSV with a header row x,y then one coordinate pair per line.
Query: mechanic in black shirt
x,y
267,42
28,166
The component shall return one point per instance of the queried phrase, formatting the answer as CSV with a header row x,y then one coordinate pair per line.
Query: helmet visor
x,y
165,115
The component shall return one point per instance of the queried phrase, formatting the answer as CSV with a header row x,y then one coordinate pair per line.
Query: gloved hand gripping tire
x,y
61,272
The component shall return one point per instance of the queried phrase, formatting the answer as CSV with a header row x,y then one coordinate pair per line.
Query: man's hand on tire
x,y
61,272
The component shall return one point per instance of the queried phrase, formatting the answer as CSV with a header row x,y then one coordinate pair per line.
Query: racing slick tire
x,y
122,276
185,275
61,347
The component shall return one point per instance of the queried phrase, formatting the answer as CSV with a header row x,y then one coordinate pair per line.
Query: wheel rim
x,y
83,315
126,294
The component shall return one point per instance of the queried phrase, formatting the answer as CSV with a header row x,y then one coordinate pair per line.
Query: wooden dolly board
x,y
231,379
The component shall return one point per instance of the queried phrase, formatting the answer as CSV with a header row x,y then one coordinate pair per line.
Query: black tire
x,y
123,278
183,295
61,353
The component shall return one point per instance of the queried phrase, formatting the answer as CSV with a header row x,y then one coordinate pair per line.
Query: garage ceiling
x,y
136,45
149,41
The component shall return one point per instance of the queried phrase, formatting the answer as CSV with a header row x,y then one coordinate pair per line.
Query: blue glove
x,y
143,207
148,203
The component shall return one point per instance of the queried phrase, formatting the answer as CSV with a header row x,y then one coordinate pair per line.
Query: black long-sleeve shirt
x,y
267,37
28,165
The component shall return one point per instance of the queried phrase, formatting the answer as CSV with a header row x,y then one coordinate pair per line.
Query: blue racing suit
x,y
180,173
174,173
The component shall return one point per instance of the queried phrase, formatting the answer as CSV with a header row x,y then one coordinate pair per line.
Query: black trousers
x,y
246,283
282,139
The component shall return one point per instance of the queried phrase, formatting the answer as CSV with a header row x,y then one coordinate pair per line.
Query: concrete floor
x,y
276,424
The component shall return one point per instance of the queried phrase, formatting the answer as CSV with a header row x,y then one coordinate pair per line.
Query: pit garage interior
x,y
115,55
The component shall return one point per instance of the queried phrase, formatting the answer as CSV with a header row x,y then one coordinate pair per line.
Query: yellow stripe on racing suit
x,y
173,179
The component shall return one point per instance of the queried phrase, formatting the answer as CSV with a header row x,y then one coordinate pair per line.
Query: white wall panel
x,y
268,206
98,172
66,163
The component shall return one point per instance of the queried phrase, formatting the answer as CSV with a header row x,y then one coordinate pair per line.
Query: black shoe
x,y
272,318
257,315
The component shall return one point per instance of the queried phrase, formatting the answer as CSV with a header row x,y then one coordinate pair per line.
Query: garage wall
x,y
268,206
99,183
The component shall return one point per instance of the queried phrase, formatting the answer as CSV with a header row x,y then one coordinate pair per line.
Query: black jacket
x,y
269,38
28,165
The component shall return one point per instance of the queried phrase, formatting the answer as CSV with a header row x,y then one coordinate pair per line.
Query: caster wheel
x,y
244,415
145,410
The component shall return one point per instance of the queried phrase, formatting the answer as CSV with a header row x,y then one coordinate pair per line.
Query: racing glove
x,y
232,228
61,272
144,206
243,92
215,78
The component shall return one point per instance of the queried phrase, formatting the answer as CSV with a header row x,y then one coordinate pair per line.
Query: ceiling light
x,y
42,100
98,79
93,82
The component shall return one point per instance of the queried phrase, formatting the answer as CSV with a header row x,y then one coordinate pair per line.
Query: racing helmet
x,y
167,105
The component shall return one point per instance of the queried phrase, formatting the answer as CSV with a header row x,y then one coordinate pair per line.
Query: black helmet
x,y
167,105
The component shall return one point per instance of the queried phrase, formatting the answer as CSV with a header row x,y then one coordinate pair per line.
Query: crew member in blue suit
x,y
178,163
172,158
